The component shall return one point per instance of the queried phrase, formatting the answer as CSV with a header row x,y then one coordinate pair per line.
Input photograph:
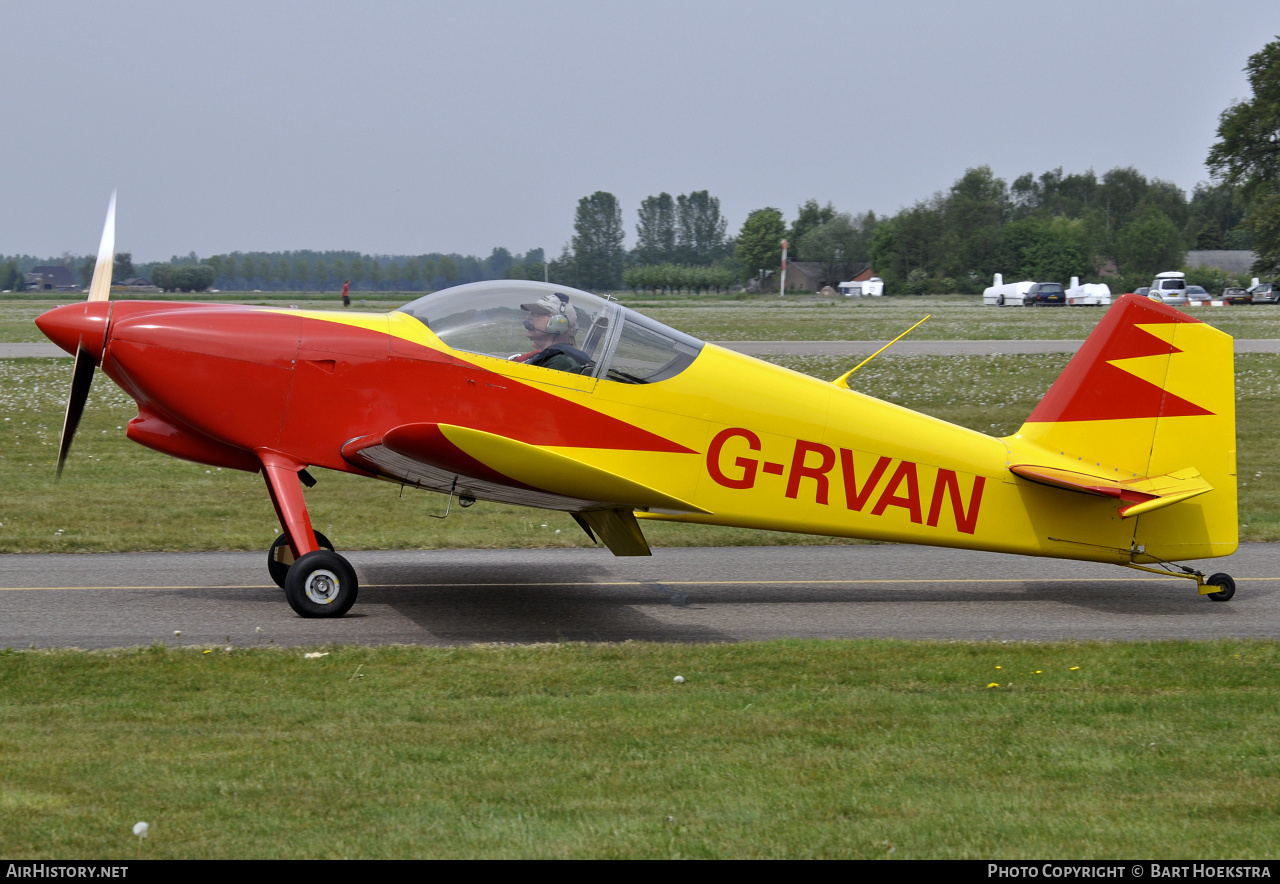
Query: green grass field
x,y
872,749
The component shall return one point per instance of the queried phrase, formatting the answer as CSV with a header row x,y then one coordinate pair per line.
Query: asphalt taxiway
x,y
450,597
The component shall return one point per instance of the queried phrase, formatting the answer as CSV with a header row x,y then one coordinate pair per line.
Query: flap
x,y
1140,495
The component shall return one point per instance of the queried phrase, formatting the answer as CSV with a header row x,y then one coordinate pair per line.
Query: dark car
x,y
1046,294
1265,293
1234,294
1142,291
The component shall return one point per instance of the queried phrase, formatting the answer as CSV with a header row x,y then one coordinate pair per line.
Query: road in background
x,y
447,597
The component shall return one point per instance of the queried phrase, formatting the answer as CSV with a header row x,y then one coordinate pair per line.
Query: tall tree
x,y
123,268
598,236
1214,206
809,217
839,245
1149,245
1247,153
699,228
498,263
656,230
974,211
759,243
1121,191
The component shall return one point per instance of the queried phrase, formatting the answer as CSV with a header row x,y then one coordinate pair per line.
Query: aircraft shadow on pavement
x,y
529,604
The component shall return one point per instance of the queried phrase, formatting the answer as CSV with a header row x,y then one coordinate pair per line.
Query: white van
x,y
873,287
1170,287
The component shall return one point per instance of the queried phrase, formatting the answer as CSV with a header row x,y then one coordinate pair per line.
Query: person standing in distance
x,y
346,298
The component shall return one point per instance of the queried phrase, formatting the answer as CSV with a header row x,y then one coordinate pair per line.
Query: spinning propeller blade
x,y
82,373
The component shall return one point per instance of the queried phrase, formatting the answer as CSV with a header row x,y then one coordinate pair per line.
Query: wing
x,y
488,466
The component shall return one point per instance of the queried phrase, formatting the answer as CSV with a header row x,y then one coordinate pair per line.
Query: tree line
x,y
300,271
1121,227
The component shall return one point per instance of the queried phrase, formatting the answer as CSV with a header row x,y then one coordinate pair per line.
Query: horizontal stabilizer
x,y
1139,495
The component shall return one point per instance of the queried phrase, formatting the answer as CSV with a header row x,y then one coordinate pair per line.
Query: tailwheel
x,y
321,584
1228,587
280,556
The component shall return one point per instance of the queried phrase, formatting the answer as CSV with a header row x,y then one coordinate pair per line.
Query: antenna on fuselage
x,y
843,380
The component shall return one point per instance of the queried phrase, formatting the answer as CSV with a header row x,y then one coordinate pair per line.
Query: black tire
x,y
1228,587
321,584
277,567
999,300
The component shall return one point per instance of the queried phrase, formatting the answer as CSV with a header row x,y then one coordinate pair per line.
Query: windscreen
x,y
505,319
648,351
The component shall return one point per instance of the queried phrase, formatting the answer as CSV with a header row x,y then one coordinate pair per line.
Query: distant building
x,y
50,278
1230,260
134,284
809,276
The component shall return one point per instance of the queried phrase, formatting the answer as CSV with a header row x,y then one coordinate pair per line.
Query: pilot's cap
x,y
554,304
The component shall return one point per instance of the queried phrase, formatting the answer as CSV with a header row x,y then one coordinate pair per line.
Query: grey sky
x,y
411,127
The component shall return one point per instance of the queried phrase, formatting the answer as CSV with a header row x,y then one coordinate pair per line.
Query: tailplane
x,y
1144,413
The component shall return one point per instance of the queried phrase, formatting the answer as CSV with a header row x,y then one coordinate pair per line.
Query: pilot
x,y
551,326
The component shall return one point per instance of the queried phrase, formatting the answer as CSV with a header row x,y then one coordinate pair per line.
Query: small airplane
x,y
541,395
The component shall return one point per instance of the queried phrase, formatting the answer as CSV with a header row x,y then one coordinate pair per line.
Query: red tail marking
x,y
1092,389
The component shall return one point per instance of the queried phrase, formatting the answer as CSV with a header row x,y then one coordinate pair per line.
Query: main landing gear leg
x,y
317,581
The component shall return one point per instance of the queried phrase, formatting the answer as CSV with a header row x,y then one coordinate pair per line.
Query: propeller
x,y
82,373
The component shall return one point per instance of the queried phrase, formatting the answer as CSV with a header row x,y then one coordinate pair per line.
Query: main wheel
x,y
1225,582
280,556
999,300
321,584
1228,587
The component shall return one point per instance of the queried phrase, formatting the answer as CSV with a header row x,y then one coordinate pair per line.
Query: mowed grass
x,y
759,317
117,496
784,749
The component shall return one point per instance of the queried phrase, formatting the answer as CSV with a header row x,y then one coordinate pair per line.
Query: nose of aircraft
x,y
75,324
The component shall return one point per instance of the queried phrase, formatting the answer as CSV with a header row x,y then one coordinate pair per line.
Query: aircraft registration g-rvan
x,y
545,396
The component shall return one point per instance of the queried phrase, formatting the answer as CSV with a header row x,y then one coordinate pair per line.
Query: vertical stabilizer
x,y
1151,392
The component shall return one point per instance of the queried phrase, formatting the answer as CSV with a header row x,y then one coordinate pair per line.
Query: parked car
x,y
1198,293
1046,294
1143,291
1171,286
1265,293
1234,294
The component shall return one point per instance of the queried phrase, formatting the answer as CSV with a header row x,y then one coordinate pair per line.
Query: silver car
x,y
1266,293
1171,289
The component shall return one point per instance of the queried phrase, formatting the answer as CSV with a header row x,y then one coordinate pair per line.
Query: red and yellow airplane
x,y
546,396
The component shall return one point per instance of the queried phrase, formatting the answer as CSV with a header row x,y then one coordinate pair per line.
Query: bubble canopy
x,y
618,344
